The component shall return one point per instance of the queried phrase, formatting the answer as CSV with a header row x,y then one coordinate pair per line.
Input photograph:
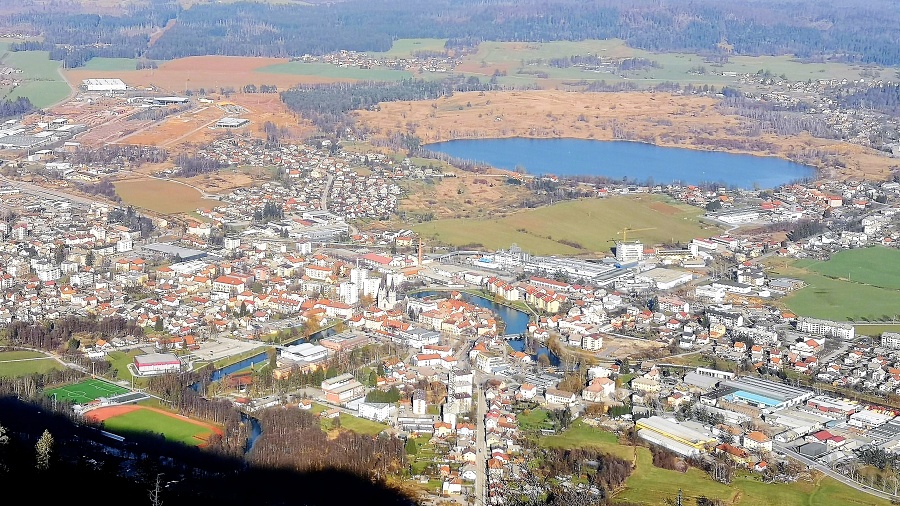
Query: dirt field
x,y
208,72
165,197
665,120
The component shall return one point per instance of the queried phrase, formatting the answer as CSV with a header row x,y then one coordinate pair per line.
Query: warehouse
x,y
156,363
232,122
764,393
103,85
673,435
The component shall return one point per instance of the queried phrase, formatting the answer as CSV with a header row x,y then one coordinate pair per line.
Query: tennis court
x,y
86,391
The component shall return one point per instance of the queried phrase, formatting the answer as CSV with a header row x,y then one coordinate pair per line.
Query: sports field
x,y
161,196
123,420
575,227
86,391
859,284
14,364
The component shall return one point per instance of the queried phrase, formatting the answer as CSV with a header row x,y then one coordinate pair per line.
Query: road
x,y
481,455
829,472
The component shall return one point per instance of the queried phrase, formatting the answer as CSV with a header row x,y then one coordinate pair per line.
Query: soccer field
x,y
86,391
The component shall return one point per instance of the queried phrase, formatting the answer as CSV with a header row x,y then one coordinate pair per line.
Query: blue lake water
x,y
634,160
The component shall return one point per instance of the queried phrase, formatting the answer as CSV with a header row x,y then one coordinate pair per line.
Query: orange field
x,y
195,72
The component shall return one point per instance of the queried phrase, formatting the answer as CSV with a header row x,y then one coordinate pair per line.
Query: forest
x,y
842,30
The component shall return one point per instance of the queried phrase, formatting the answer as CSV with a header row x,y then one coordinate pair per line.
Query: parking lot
x,y
223,347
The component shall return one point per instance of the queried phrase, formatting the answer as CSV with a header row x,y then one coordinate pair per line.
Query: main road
x,y
481,453
42,192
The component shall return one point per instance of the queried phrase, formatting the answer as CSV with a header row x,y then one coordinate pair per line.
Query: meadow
x,y
107,64
407,47
14,364
575,227
161,196
521,60
872,291
40,79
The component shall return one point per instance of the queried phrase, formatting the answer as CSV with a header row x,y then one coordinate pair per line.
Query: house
x,y
598,390
452,487
554,396
756,440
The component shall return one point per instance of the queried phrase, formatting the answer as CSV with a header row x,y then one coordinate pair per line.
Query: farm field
x,y
843,299
86,391
651,485
41,81
326,70
14,364
165,197
123,420
574,227
876,329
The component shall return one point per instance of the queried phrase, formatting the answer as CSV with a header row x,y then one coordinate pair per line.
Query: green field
x,y
361,425
652,485
874,266
876,329
111,64
406,47
330,71
146,420
86,391
14,364
593,224
872,291
522,60
120,360
41,81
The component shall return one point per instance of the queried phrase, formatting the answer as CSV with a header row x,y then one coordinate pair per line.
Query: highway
x,y
812,464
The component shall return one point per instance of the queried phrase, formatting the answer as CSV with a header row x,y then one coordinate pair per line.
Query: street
x,y
829,472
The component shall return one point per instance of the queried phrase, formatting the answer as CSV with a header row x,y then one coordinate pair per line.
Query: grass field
x,y
111,64
161,196
334,72
872,292
874,266
876,329
41,81
120,360
174,428
522,60
86,391
651,485
361,425
593,224
14,364
406,47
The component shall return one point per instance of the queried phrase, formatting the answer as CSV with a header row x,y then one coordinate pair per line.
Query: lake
x,y
637,161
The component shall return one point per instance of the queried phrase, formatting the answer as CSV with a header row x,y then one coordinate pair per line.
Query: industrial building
x,y
631,251
103,85
156,363
305,353
763,393
232,122
343,389
674,436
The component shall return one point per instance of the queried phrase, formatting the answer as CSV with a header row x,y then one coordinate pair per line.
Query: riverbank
x,y
520,306
657,118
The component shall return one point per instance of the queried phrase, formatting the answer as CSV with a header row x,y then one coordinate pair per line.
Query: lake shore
x,y
657,118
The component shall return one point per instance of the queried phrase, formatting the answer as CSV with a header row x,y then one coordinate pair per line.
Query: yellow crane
x,y
624,232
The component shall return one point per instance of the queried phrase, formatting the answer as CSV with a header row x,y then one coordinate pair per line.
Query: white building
x,y
103,85
631,251
378,411
157,363
826,328
305,352
890,340
592,342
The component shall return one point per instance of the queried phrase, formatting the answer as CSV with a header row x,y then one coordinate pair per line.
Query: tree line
x,y
15,107
845,30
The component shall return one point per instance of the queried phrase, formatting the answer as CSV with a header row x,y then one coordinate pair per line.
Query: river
x,y
515,321
619,159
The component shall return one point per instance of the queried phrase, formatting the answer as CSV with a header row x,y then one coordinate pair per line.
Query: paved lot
x,y
223,347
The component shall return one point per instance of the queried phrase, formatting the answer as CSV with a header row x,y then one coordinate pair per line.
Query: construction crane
x,y
624,232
